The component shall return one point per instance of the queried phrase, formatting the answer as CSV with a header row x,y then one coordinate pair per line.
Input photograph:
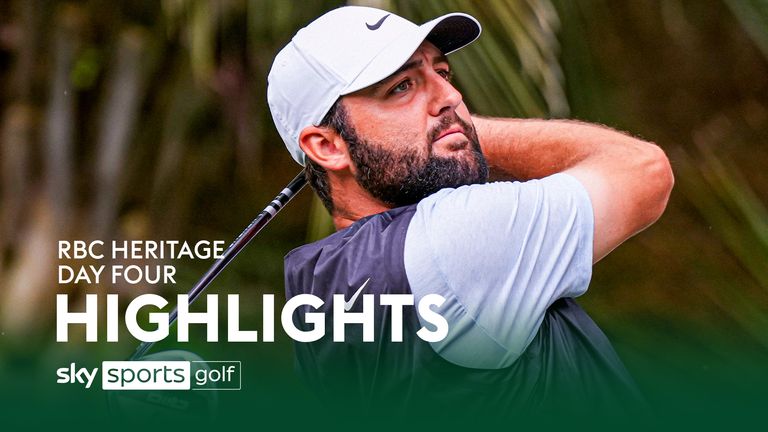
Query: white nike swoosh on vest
x,y
348,304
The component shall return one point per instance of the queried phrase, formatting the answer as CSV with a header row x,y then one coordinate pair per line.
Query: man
x,y
363,98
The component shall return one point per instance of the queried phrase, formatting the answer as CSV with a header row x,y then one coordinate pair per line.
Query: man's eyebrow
x,y
440,59
408,65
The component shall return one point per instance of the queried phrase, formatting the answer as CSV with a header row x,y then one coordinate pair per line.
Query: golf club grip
x,y
231,252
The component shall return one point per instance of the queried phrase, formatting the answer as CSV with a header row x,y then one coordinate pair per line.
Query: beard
x,y
403,176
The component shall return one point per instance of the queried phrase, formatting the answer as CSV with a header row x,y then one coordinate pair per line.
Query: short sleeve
x,y
500,254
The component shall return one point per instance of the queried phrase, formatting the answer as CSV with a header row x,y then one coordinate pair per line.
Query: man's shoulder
x,y
371,248
471,206
308,248
378,227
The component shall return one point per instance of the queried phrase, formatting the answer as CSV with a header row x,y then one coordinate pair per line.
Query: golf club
x,y
237,245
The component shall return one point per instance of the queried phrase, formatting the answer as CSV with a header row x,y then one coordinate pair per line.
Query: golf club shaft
x,y
240,242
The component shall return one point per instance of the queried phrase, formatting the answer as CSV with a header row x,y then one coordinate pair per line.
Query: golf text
x,y
341,317
156,375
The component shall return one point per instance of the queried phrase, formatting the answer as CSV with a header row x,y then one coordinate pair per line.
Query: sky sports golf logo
x,y
157,375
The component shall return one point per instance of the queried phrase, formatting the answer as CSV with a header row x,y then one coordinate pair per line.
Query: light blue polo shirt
x,y
500,254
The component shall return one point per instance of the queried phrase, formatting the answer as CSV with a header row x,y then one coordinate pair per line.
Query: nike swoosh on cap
x,y
377,24
348,304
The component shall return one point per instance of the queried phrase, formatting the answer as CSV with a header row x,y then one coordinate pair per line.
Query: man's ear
x,y
324,146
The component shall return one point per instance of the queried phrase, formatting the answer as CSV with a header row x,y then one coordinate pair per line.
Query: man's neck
x,y
352,203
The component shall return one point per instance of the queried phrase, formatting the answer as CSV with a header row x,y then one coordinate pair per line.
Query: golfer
x,y
363,99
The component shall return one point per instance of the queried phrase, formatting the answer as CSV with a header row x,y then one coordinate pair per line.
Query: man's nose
x,y
445,97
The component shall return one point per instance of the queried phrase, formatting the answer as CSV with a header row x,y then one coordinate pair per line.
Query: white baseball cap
x,y
346,50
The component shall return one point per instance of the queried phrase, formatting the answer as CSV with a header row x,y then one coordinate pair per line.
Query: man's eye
x,y
401,87
445,73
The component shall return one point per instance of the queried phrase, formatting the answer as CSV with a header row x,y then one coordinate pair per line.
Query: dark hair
x,y
316,175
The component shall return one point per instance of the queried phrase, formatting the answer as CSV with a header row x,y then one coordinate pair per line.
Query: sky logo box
x,y
171,375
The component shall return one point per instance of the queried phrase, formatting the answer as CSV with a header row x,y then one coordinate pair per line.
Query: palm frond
x,y
753,16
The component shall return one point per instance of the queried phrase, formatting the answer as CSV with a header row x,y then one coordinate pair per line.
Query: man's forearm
x,y
524,149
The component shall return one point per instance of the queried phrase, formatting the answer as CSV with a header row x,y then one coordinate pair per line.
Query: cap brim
x,y
448,33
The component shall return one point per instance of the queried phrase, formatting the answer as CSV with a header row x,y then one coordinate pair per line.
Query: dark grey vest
x,y
570,364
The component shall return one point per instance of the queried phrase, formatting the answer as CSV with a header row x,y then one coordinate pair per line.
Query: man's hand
x,y
628,180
